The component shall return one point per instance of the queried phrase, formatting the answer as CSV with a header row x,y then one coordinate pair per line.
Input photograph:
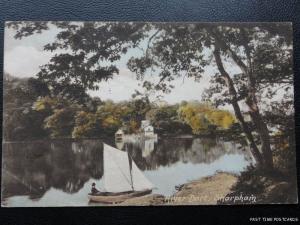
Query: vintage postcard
x,y
142,113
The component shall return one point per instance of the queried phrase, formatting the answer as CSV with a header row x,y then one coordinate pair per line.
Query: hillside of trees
x,y
31,112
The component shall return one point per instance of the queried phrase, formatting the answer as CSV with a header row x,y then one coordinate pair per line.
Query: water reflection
x,y
41,172
33,168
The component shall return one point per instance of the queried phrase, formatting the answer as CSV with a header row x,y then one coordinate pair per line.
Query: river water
x,y
60,172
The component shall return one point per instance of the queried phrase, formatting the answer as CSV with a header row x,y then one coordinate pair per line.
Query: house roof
x,y
119,132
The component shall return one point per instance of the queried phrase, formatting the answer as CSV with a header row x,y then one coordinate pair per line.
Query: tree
x,y
221,118
20,121
86,125
60,113
195,116
165,119
110,116
89,50
180,51
202,117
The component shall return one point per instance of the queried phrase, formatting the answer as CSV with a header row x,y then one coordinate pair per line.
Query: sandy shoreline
x,y
204,191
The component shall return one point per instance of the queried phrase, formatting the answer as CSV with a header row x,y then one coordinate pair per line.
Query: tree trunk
x,y
263,132
234,101
251,101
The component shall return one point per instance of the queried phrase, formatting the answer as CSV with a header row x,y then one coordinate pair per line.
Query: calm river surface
x,y
60,172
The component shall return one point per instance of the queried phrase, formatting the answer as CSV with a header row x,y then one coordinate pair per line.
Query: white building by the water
x,y
147,129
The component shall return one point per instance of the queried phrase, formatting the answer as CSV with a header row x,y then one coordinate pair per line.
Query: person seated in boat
x,y
94,190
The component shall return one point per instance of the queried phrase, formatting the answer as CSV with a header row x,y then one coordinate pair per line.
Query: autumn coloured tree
x,y
202,117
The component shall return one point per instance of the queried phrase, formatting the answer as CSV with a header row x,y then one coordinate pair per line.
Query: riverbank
x,y
204,191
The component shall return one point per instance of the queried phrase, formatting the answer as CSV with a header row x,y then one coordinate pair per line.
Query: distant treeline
x,y
30,112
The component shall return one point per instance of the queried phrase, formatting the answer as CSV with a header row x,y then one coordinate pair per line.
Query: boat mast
x,y
130,167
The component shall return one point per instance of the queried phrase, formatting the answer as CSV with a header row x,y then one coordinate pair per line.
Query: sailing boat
x,y
122,178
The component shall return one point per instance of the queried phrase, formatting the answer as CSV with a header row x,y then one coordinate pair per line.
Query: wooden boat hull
x,y
116,198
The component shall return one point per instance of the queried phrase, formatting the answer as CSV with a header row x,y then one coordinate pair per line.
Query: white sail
x,y
140,182
118,176
116,170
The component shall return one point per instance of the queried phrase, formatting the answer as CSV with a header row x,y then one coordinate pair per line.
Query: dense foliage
x,y
20,120
202,117
260,53
30,115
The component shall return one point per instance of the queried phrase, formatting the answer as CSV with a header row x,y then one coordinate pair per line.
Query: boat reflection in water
x,y
60,172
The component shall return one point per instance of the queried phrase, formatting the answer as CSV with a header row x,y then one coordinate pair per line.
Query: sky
x,y
22,58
